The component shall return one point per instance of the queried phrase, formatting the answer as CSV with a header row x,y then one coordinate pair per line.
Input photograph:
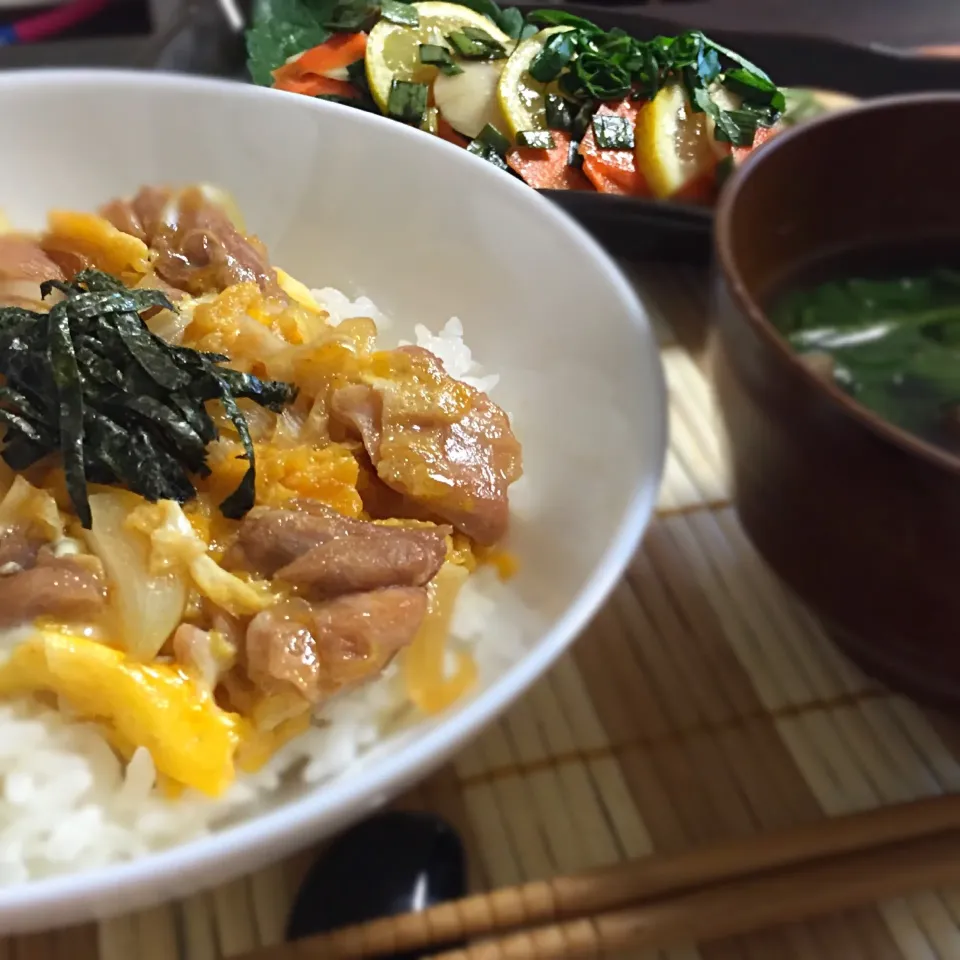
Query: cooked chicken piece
x,y
21,258
199,249
208,654
321,649
23,267
270,539
18,551
140,217
63,588
436,441
328,554
392,556
192,650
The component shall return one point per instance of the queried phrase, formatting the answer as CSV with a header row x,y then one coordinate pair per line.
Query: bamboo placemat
x,y
703,703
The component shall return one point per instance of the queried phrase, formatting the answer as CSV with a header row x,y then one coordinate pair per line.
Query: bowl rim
x,y
188,865
757,317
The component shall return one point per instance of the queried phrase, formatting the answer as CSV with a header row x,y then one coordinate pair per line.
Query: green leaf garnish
x,y
486,152
404,14
557,52
408,101
608,65
281,29
536,139
613,133
510,21
472,43
494,139
439,56
348,16
558,113
89,383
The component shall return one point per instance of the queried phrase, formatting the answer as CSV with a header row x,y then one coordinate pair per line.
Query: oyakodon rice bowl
x,y
428,232
178,639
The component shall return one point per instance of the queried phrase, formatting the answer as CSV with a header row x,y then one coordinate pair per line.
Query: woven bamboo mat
x,y
703,703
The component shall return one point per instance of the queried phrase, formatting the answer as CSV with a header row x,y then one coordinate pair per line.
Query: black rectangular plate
x,y
634,227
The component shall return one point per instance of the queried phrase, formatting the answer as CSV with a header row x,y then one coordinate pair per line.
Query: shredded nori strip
x,y
62,360
89,383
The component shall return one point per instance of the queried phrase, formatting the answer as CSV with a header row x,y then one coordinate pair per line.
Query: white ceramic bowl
x,y
346,199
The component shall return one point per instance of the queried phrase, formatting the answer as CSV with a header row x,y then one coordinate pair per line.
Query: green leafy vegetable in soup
x,y
893,343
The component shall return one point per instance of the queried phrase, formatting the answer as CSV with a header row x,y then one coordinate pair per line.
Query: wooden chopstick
x,y
741,907
612,899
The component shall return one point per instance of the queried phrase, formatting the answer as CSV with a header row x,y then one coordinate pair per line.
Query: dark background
x,y
890,22
135,31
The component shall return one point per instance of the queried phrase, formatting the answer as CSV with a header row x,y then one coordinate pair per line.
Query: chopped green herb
x,y
738,127
486,152
557,52
88,382
281,28
754,89
611,65
407,101
350,15
581,119
558,113
431,121
472,43
404,14
438,56
510,21
536,139
613,133
494,139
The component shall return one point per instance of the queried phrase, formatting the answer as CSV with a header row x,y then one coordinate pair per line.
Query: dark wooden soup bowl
x,y
860,518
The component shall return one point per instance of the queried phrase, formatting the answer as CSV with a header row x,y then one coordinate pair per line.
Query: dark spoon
x,y
393,863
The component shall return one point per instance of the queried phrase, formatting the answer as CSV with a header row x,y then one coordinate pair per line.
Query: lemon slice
x,y
523,100
673,142
393,50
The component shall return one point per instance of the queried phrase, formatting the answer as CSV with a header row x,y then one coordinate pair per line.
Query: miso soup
x,y
884,323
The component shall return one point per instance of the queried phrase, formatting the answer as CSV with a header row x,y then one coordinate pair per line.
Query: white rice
x,y
67,803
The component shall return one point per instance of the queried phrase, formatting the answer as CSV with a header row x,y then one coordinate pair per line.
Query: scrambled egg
x,y
233,322
98,242
158,706
327,474
297,291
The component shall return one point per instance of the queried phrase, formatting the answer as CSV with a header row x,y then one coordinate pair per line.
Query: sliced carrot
x,y
548,169
339,51
446,132
613,171
600,182
313,85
